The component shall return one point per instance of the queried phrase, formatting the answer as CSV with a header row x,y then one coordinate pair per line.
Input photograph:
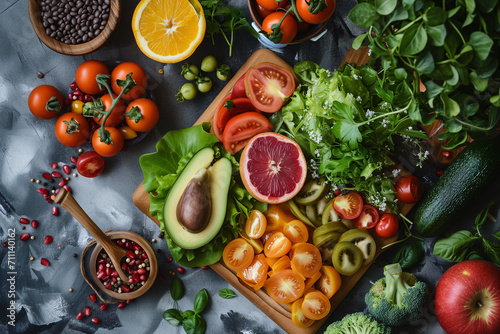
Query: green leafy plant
x,y
191,320
461,245
176,288
409,254
447,45
226,293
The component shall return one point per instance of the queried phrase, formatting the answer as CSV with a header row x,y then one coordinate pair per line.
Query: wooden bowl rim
x,y
153,264
318,28
75,49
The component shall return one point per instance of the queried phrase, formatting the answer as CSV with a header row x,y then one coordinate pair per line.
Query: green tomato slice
x,y
299,212
329,214
363,240
312,192
347,258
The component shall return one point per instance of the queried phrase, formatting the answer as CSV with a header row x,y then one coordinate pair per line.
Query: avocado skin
x,y
469,172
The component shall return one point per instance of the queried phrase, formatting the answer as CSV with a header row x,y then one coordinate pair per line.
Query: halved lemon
x,y
168,31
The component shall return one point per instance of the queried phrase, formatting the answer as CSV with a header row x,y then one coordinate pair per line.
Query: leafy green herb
x,y
200,301
191,321
409,254
176,288
224,19
448,46
173,316
226,293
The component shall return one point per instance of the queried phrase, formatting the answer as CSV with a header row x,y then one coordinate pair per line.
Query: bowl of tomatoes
x,y
300,20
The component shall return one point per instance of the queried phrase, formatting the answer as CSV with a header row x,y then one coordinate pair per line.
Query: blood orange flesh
x,y
273,168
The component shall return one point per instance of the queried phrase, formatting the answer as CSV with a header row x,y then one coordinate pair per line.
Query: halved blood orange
x,y
272,167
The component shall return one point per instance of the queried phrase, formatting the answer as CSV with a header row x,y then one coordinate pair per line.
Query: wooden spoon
x,y
115,252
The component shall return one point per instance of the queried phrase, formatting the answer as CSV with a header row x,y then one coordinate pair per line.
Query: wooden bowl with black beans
x,y
74,27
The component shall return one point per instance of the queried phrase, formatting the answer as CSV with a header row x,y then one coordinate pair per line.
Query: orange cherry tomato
x,y
39,105
72,129
289,26
271,261
277,216
108,150
298,317
283,263
310,281
267,235
116,115
138,75
86,74
286,286
277,245
306,259
348,206
296,231
256,224
238,254
329,282
316,305
142,115
257,244
320,17
255,275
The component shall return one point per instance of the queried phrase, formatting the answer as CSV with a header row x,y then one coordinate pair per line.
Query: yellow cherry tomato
x,y
127,132
77,106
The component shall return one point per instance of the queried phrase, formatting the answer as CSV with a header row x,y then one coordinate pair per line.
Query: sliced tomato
x,y
257,244
277,216
348,206
268,85
368,217
296,231
311,281
306,259
238,254
239,88
283,263
255,275
408,189
256,224
316,305
277,245
228,108
298,317
286,286
241,128
387,226
329,282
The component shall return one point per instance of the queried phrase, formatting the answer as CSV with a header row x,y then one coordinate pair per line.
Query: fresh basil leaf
x,y
188,313
413,41
436,34
409,254
456,247
450,106
492,251
363,14
482,216
200,301
176,288
194,324
226,293
173,316
435,16
481,43
385,7
474,256
425,63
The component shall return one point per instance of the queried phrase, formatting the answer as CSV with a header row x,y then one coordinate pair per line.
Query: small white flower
x,y
395,172
369,113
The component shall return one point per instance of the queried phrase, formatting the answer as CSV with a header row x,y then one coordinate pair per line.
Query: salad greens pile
x,y
160,171
345,122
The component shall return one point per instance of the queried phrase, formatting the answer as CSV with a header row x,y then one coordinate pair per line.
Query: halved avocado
x,y
219,180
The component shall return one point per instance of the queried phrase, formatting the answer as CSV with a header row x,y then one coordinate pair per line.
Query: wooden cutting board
x,y
277,312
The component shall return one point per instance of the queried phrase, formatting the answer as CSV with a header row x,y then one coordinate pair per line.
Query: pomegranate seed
x,y
62,183
125,288
138,262
144,256
73,86
131,263
43,191
439,172
170,259
101,261
47,176
100,267
121,305
5,244
124,266
24,237
77,92
160,277
137,247
55,211
48,239
44,261
204,267
336,192
114,274
68,189
73,159
24,221
119,243
67,169
180,270
108,286
53,165
129,301
103,306
101,274
141,271
446,154
93,297
142,277
130,255
34,223
96,320
80,316
80,98
87,310
128,245
56,174
70,96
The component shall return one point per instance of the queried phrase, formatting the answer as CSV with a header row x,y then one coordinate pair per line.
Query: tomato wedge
x,y
316,305
256,224
296,231
238,254
368,217
255,275
329,282
283,263
298,317
241,128
286,286
277,245
348,206
306,259
227,108
277,216
268,85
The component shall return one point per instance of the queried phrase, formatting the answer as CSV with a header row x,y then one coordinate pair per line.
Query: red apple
x,y
467,298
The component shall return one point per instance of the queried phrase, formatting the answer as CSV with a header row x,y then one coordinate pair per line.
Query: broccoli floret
x,y
357,323
397,298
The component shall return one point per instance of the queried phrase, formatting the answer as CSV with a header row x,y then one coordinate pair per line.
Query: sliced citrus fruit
x,y
273,168
168,31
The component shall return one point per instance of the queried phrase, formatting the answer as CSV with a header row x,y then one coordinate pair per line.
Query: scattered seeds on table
x,y
87,311
34,223
96,320
44,262
55,211
93,297
48,239
80,316
24,236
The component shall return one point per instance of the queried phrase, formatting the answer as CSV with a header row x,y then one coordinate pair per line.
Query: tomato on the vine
x,y
348,206
142,115
45,101
86,74
288,27
116,115
317,18
138,74
241,128
368,217
408,189
262,12
90,164
72,129
387,226
272,4
108,150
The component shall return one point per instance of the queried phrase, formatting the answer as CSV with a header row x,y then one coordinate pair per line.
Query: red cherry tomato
x,y
387,226
144,116
108,150
262,12
268,85
138,74
319,17
45,101
288,27
368,217
116,115
86,73
408,189
228,108
90,164
348,206
241,128
271,5
72,129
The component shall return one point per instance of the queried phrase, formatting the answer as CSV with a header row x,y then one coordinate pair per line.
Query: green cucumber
x,y
464,178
